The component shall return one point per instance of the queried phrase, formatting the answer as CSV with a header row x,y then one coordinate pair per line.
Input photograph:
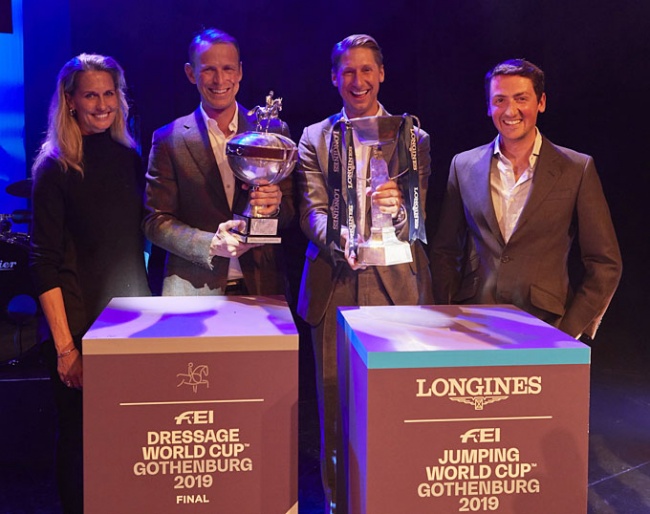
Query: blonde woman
x,y
86,244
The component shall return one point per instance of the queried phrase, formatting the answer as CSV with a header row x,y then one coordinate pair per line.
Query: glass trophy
x,y
382,247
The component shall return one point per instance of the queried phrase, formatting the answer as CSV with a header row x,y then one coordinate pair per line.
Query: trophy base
x,y
384,249
257,230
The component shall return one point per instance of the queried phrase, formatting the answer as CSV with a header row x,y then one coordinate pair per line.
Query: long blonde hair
x,y
63,141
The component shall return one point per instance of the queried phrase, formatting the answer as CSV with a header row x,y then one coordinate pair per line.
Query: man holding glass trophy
x,y
363,176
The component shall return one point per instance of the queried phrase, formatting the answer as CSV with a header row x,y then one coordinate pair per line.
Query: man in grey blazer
x,y
191,191
332,276
511,213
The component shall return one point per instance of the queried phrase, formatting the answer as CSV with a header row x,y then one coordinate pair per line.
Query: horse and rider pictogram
x,y
194,376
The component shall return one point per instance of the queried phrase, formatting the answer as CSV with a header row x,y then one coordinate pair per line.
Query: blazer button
x,y
505,258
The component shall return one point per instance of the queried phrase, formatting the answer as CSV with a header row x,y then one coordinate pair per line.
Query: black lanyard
x,y
334,179
408,159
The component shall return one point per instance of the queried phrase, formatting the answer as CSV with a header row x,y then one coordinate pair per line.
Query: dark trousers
x,y
69,438
353,288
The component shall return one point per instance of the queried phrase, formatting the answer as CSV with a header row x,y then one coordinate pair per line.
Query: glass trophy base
x,y
384,249
257,230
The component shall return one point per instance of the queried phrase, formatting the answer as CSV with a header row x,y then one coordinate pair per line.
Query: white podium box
x,y
191,406
453,409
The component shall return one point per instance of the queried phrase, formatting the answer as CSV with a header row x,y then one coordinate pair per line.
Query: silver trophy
x,y
382,248
260,158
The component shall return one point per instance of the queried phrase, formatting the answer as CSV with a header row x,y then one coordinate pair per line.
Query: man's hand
x,y
225,244
388,198
350,256
265,199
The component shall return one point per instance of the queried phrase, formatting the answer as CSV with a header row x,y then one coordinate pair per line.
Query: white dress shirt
x,y
509,196
218,142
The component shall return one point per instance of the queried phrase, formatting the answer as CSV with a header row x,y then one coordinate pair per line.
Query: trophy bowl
x,y
259,158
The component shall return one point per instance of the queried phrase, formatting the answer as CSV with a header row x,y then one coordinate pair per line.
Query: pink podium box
x,y
453,409
191,406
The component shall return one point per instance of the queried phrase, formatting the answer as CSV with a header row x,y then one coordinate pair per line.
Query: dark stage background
x,y
595,55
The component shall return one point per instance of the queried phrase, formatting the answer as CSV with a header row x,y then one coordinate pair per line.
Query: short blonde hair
x,y
356,41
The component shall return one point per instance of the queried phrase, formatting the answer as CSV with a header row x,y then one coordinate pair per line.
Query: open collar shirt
x,y
509,195
218,142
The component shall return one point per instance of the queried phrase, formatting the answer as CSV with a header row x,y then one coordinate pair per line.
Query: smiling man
x,y
333,276
512,211
192,193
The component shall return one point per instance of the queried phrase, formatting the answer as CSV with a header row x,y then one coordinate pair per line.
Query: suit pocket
x,y
546,300
561,194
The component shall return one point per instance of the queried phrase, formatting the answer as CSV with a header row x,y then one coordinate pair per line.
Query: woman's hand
x,y
69,367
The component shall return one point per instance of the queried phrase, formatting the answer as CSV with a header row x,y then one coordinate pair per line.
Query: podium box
x,y
462,409
191,405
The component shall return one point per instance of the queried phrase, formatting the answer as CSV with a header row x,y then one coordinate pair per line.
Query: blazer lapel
x,y
480,190
322,147
198,144
546,175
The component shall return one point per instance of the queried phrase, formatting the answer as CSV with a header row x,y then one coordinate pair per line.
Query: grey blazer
x,y
186,202
472,264
406,284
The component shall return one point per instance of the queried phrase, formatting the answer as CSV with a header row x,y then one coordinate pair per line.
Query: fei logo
x,y
195,417
194,376
481,435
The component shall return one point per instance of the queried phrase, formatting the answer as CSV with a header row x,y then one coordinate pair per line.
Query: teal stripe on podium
x,y
456,359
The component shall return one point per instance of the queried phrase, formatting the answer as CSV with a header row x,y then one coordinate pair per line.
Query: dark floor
x,y
619,468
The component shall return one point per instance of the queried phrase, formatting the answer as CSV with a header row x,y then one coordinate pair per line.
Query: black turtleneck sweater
x,y
86,236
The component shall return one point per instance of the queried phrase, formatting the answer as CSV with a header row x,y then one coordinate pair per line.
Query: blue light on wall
x,y
12,111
